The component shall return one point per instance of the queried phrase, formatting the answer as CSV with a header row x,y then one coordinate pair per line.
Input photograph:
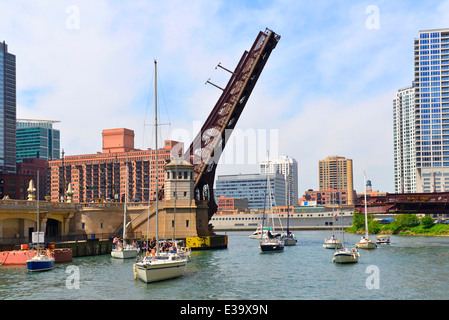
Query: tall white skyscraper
x,y
404,140
288,167
431,80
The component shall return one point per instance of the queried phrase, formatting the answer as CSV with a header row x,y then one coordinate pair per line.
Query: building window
x,y
187,223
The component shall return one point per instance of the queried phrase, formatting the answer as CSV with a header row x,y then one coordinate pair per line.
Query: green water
x,y
409,268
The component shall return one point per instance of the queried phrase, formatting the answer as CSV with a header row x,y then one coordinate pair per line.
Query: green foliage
x,y
404,221
427,221
358,224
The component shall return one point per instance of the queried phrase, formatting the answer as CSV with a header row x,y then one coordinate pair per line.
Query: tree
x,y
427,221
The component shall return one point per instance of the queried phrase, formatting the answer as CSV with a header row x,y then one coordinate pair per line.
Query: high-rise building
x,y
404,140
288,167
336,172
254,188
103,175
36,139
7,110
431,51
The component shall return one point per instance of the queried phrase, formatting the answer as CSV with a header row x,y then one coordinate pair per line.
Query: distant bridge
x,y
426,203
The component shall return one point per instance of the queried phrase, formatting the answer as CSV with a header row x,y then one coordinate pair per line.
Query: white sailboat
x,y
365,242
125,250
288,237
271,243
158,266
343,254
41,261
332,242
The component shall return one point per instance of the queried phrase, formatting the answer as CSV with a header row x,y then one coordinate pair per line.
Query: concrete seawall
x,y
84,248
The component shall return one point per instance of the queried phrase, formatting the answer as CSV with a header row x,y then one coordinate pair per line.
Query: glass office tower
x,y
431,51
36,139
7,110
254,188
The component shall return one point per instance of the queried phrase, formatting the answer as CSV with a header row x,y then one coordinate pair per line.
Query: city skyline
x,y
326,90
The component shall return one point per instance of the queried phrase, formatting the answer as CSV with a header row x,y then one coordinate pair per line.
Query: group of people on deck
x,y
118,243
166,246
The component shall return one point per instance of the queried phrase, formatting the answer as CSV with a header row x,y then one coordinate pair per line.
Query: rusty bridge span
x,y
205,150
426,203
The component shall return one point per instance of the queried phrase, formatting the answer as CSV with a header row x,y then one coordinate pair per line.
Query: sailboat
x,y
125,250
332,242
158,266
288,237
271,243
365,242
41,261
343,254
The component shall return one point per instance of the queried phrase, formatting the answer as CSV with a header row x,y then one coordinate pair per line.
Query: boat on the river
x,y
346,255
158,266
333,242
272,243
383,239
42,261
125,250
365,242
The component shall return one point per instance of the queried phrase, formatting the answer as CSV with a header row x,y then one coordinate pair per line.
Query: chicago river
x,y
411,267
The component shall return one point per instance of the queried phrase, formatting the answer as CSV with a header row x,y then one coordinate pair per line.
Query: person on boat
x,y
152,243
114,242
144,247
153,253
333,237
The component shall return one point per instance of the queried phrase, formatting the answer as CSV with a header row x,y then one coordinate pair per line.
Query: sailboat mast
x,y
126,199
366,213
37,221
155,129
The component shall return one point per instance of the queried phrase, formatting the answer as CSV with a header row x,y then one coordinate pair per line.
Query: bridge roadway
x,y
412,203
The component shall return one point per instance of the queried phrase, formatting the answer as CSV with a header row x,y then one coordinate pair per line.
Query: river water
x,y
411,267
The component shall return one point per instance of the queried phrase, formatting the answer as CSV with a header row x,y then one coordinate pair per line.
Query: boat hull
x,y
289,241
272,246
40,265
346,257
124,254
158,271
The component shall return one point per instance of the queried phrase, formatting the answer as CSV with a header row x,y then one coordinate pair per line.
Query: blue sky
x,y
327,88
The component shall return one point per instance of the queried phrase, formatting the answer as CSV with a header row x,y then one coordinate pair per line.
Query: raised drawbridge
x,y
206,148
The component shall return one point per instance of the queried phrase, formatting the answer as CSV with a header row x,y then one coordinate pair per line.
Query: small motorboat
x,y
383,239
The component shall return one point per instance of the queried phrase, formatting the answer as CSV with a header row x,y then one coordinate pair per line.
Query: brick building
x,y
102,176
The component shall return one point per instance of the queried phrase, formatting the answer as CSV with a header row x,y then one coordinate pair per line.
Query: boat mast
x,y
156,167
366,213
37,197
126,199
